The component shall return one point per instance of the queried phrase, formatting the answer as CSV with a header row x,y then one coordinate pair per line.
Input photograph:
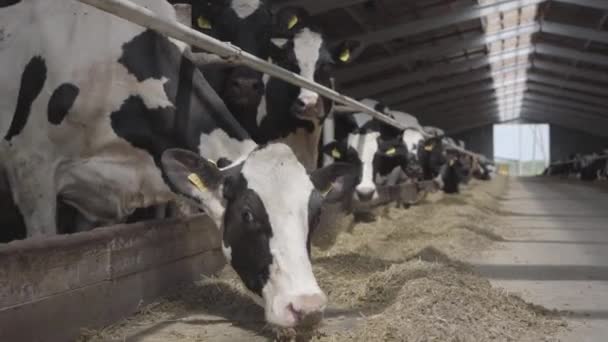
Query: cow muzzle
x,y
365,194
305,106
298,310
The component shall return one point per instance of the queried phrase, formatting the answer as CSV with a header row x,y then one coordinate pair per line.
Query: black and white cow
x,y
453,173
591,167
269,109
109,117
288,113
247,24
377,149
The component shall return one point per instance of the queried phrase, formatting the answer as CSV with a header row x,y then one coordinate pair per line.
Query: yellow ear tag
x,y
451,162
203,23
345,55
292,22
429,147
194,179
336,154
391,151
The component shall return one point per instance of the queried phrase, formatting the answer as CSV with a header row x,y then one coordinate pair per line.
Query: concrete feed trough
x,y
51,288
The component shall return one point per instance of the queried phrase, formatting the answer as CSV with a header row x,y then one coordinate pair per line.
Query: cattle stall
x,y
70,282
342,152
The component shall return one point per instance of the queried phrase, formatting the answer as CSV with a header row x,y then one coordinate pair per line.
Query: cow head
x,y
413,139
246,24
452,173
431,156
376,149
266,206
299,46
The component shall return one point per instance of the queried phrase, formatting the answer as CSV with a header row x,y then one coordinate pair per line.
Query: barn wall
x,y
480,140
565,141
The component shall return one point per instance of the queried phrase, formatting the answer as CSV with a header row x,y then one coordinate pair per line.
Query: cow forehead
x,y
307,48
366,144
280,181
245,8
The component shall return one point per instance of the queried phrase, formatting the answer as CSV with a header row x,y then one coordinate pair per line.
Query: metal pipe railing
x,y
142,16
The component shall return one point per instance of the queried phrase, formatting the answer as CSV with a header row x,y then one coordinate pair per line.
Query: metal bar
x,y
444,107
574,31
568,70
567,103
428,24
553,81
446,97
315,7
373,88
560,111
545,89
466,78
599,4
548,49
457,111
464,128
142,16
531,113
360,70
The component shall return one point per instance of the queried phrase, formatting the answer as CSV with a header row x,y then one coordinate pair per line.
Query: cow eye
x,y
248,216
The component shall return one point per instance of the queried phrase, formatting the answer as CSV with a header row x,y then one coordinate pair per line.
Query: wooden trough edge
x,y
51,288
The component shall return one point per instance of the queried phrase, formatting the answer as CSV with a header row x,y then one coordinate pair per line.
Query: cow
x,y
591,167
108,116
288,113
452,173
270,109
376,148
247,24
482,169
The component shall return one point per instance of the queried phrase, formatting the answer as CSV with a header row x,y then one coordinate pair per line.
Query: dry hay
x,y
397,279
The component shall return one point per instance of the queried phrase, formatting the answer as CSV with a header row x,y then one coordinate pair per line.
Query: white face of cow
x,y
267,206
307,49
412,140
366,146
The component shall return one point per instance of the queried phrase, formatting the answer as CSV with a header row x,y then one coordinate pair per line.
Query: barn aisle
x,y
555,253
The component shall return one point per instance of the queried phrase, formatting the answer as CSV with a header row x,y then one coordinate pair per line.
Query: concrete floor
x,y
555,253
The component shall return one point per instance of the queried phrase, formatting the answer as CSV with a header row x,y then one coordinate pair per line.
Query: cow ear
x,y
195,178
335,181
344,52
289,20
204,13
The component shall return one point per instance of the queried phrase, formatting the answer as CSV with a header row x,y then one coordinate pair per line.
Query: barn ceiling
x,y
459,64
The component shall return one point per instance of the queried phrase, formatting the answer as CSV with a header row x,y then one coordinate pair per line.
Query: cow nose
x,y
365,194
305,101
308,309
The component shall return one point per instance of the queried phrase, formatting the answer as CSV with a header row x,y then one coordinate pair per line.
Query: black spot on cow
x,y
7,3
247,232
32,81
197,108
143,127
61,101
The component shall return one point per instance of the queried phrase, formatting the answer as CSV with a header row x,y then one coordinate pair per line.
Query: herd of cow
x,y
106,122
589,167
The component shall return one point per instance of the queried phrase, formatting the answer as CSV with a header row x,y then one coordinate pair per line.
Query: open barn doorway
x,y
522,149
